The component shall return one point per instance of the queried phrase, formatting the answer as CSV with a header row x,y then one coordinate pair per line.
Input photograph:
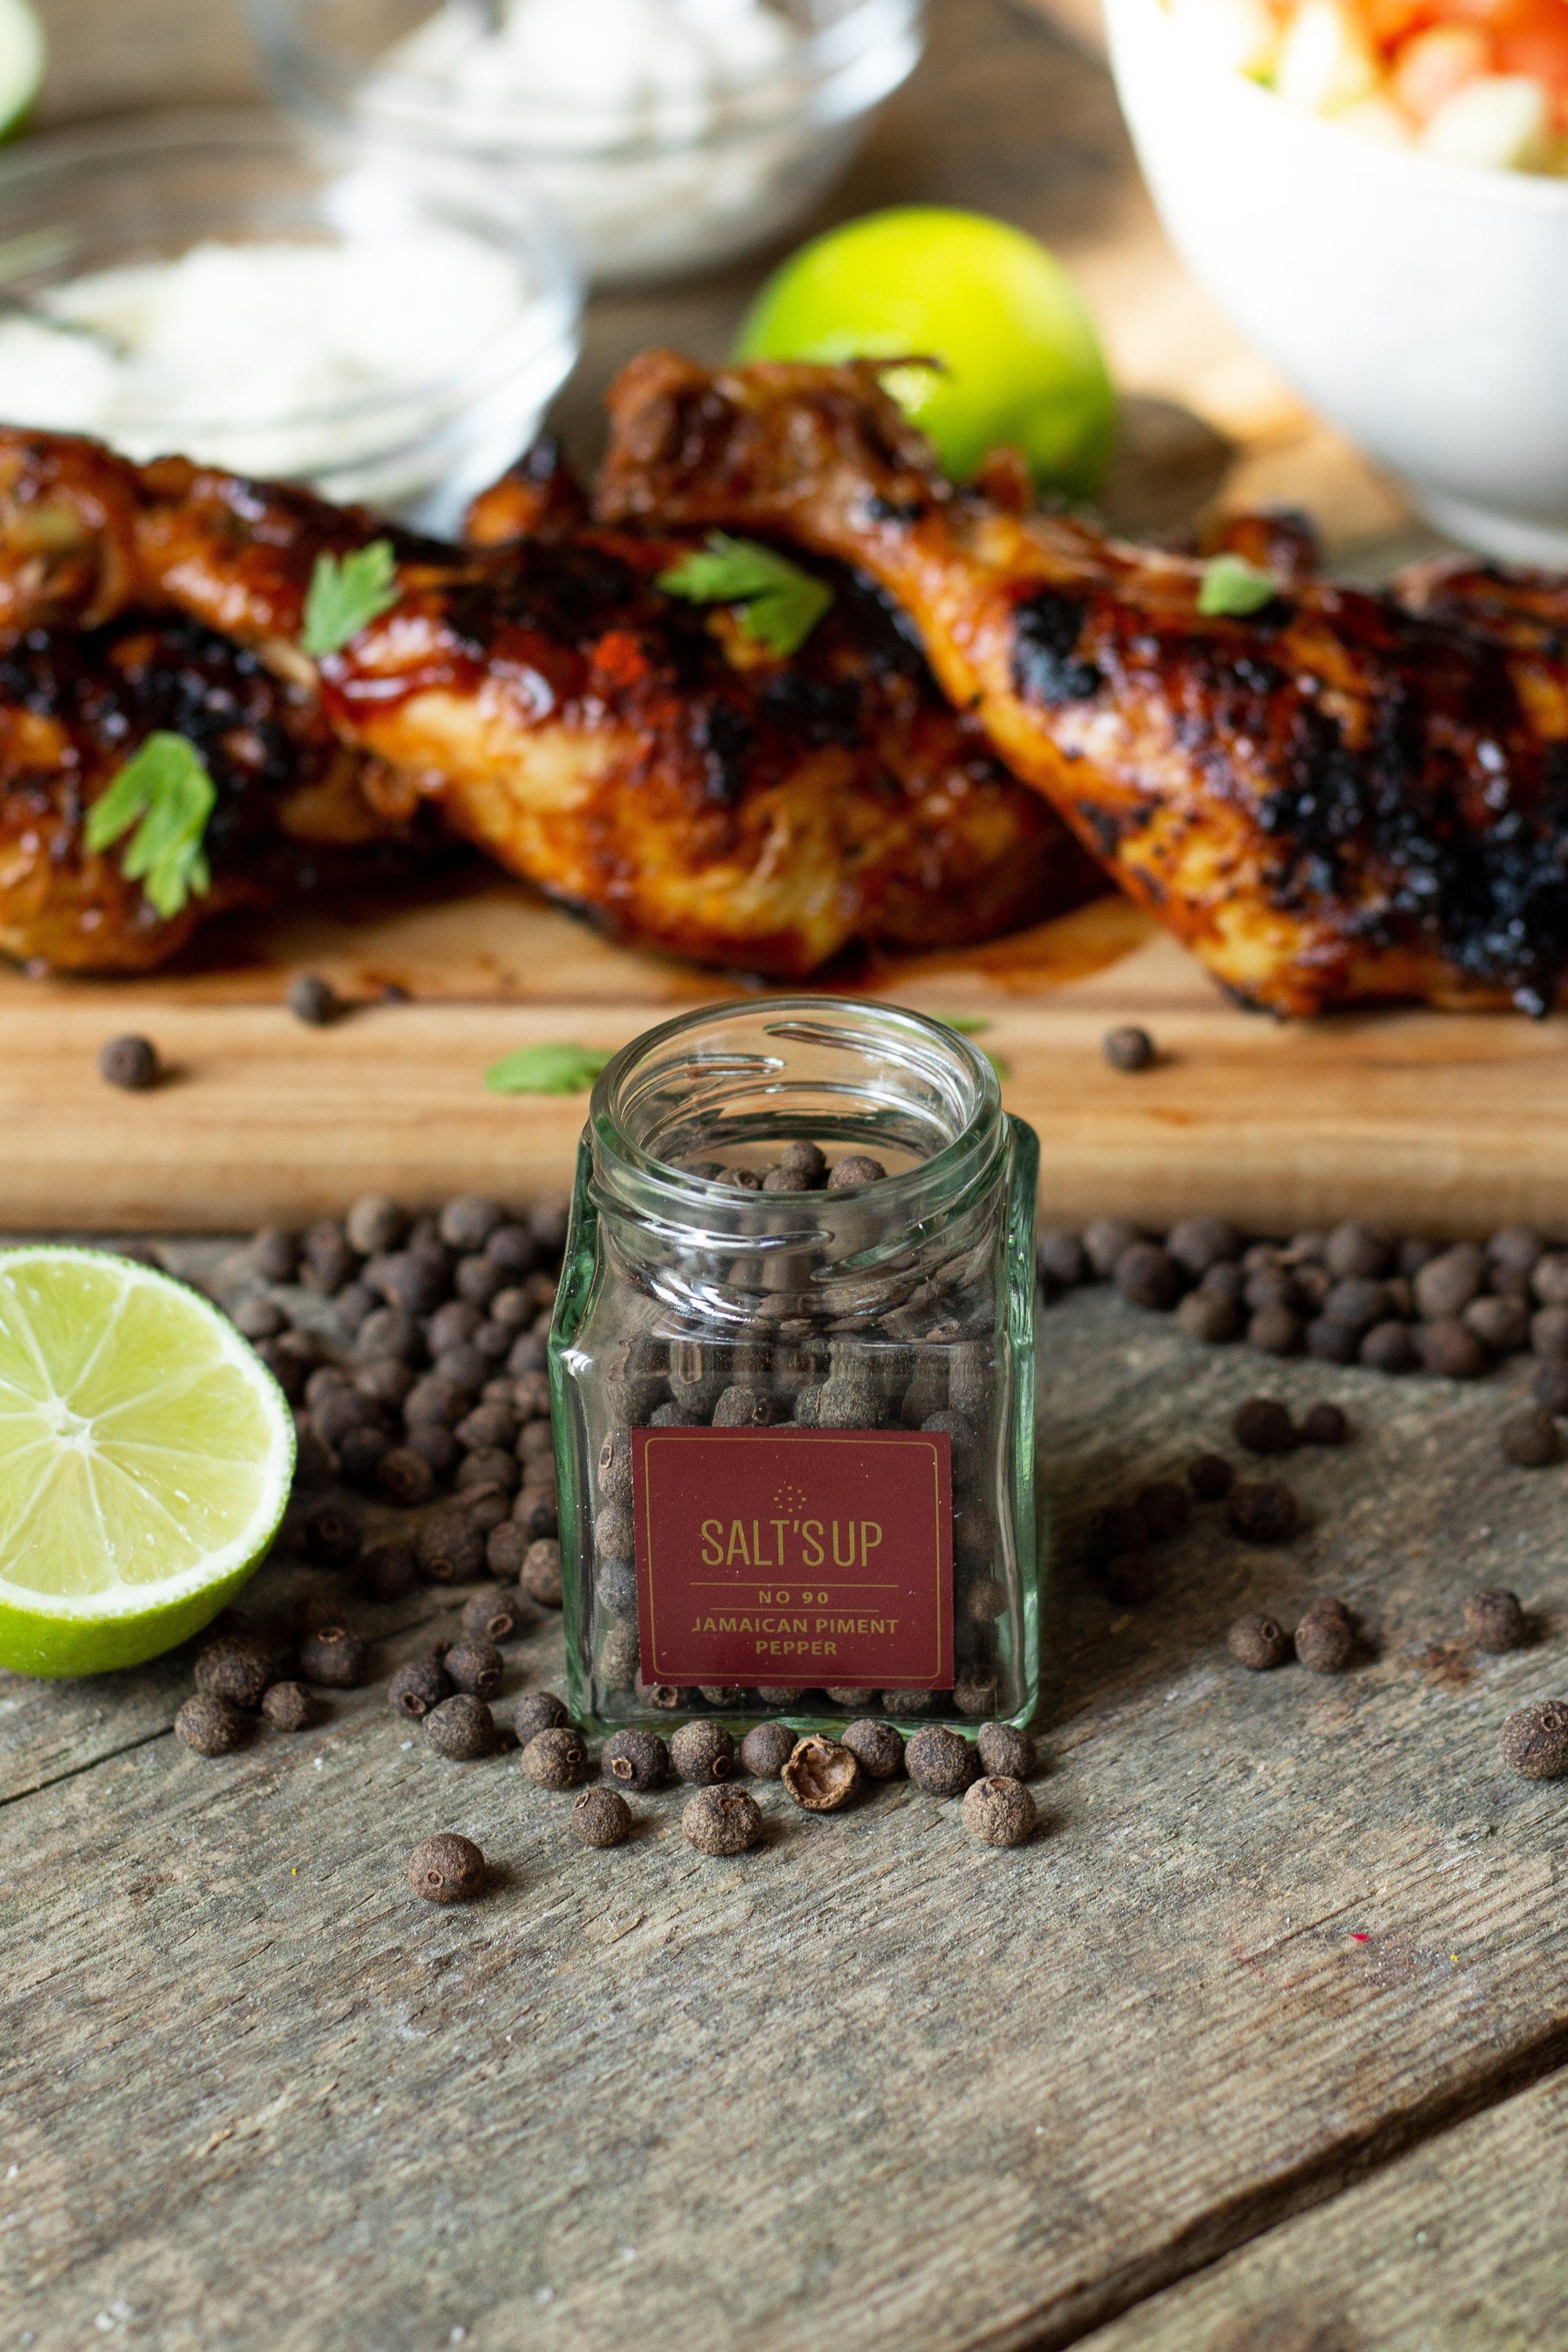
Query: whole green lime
x,y
1020,360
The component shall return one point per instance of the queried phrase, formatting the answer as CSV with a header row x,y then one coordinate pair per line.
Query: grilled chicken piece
x,y
1335,799
641,760
292,805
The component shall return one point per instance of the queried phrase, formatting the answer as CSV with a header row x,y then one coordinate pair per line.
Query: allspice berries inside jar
x,y
793,1364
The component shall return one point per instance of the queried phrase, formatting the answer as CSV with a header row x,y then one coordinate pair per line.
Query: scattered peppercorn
x,y
1129,1048
636,1757
405,1477
767,1749
235,1668
1005,1752
460,1728
974,1692
556,1759
877,1747
702,1753
1325,1641
1260,1642
939,1762
1325,1424
540,1575
537,1711
999,1811
334,1658
1163,1507
856,1168
721,1821
822,1774
312,1000
1147,1275
333,1536
450,1547
211,1727
130,1063
286,1705
1494,1621
476,1665
1262,1512
419,1686
1263,1425
1533,1742
446,1868
1529,1438
601,1817
497,1617
1211,1477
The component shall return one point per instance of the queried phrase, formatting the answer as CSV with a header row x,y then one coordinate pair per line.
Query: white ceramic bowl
x,y
1421,307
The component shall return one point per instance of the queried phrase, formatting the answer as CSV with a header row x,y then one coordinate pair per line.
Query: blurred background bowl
x,y
1421,307
417,447
641,203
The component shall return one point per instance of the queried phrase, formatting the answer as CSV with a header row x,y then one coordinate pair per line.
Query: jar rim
x,y
641,1179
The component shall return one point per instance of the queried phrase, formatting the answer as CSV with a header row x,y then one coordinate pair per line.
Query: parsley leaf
x,y
345,595
1233,586
780,603
546,1070
165,792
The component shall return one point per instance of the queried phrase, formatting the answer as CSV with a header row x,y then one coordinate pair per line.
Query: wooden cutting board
x,y
1428,1121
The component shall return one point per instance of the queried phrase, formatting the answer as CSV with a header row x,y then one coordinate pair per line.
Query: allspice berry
x,y
1262,1512
497,1616
333,1658
1325,1424
1211,1477
766,1750
475,1667
209,1726
540,1575
1264,1426
286,1705
460,1728
1533,1742
974,1692
1529,1438
1324,1639
1003,1751
702,1753
556,1759
721,1819
446,1868
940,1761
128,1062
601,1817
450,1548
1260,1642
821,1774
419,1686
1128,1049
539,1711
1494,1621
999,1811
235,1668
877,1747
636,1757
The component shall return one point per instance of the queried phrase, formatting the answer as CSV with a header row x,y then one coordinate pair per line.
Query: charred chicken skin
x,y
1337,799
639,758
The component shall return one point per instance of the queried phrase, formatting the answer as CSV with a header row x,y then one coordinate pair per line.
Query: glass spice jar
x,y
792,1376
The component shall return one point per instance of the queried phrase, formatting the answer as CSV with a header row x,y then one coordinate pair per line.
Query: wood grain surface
x,y
872,2084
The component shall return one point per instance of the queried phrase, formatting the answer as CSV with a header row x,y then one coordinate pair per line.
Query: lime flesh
x,y
1022,365
145,1459
22,61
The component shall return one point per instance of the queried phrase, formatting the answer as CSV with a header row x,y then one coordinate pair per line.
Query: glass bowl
x,y
424,402
651,185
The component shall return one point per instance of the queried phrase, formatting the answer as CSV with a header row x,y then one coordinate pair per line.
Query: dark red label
x,y
797,1556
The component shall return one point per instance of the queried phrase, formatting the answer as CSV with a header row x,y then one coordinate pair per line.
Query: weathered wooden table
x,y
1257,2048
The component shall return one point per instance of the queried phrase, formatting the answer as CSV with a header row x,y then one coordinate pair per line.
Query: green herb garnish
x,y
970,1025
780,605
546,1070
165,792
1233,586
346,595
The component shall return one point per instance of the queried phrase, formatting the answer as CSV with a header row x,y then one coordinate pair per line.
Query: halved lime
x,y
145,1458
22,60
1020,361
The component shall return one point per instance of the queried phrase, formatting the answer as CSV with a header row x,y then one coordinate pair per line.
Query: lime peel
x,y
146,1455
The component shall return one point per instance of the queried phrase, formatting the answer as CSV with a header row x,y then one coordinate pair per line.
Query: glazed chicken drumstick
x,y
1337,799
644,760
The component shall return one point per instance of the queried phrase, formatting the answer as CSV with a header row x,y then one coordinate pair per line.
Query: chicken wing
x,y
1335,799
644,761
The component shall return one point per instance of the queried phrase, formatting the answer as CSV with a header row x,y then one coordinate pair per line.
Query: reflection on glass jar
x,y
793,1371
